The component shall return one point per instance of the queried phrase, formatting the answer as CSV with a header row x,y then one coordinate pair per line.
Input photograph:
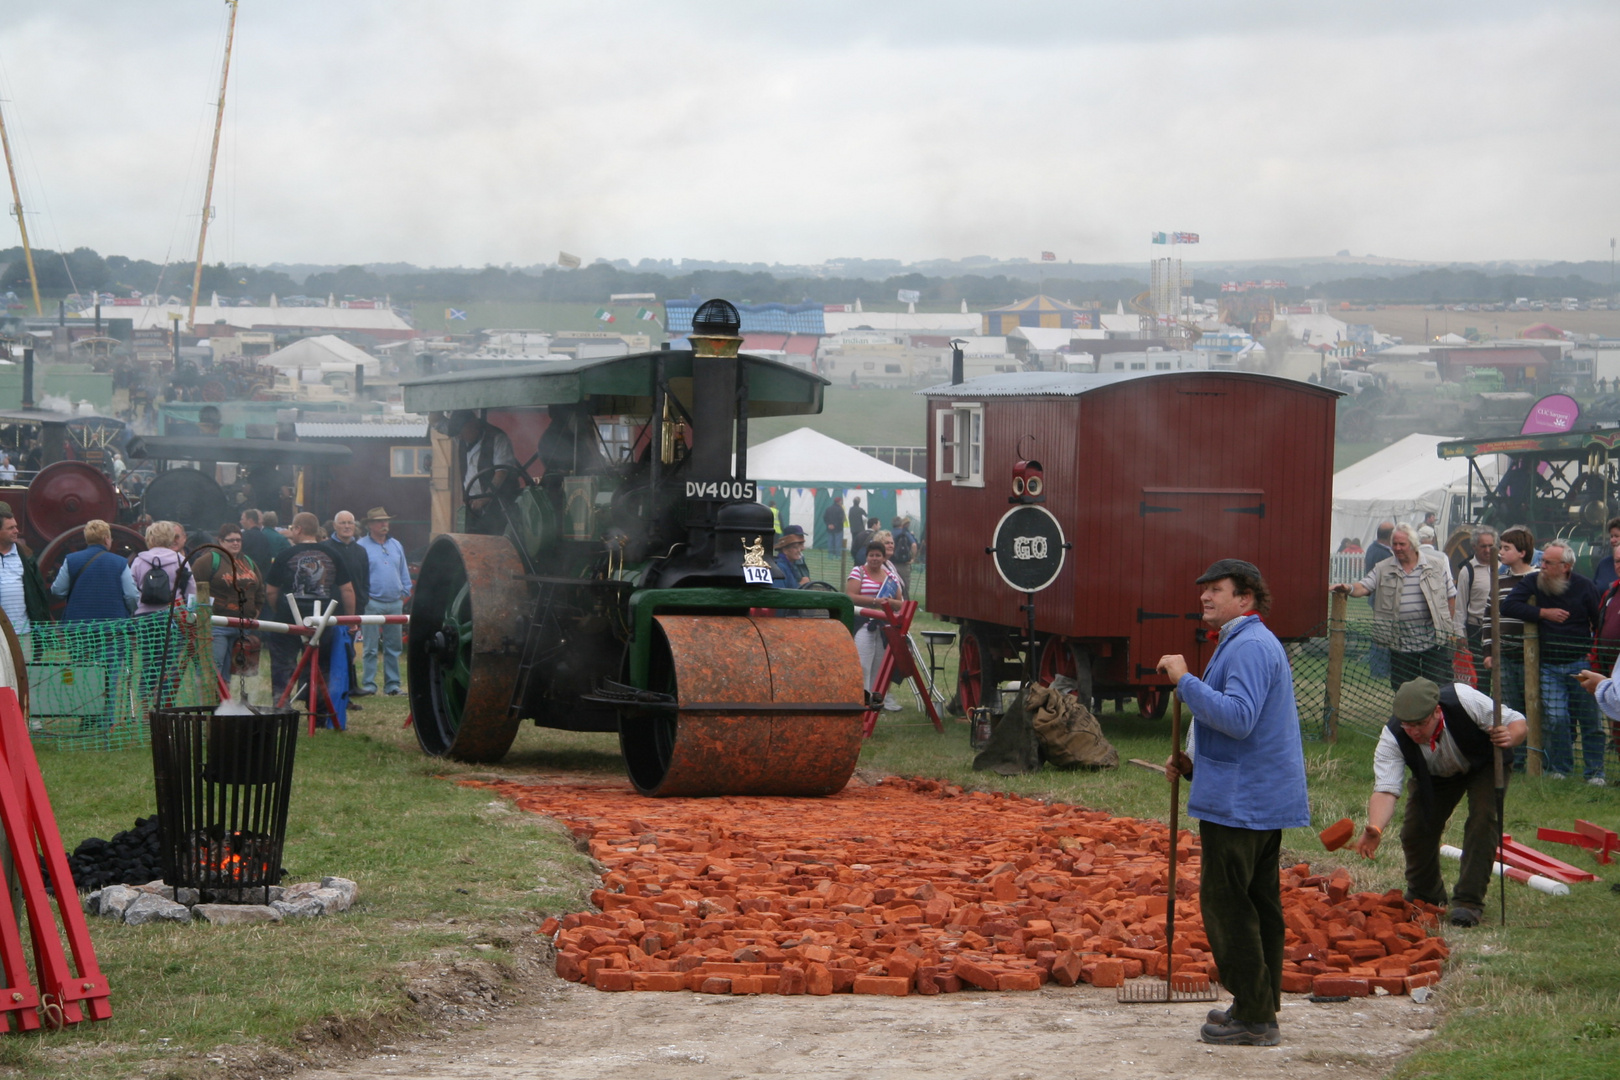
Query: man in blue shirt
x,y
1247,766
390,586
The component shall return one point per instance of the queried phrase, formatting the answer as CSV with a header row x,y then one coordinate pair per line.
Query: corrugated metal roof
x,y
1073,384
1025,383
398,430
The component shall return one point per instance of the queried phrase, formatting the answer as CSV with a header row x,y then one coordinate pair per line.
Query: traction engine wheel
x,y
977,679
762,706
1151,701
467,626
1057,658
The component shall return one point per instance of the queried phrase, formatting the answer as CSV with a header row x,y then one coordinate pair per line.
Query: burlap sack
x,y
1070,736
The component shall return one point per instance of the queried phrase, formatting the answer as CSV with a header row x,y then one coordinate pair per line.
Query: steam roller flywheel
x,y
763,706
67,494
467,629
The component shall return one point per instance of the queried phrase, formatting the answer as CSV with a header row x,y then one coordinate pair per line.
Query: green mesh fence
x,y
1366,697
92,684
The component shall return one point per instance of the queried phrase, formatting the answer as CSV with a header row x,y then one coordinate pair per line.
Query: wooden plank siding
x,y
1152,479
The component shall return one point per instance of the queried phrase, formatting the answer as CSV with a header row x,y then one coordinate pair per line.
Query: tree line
x,y
85,270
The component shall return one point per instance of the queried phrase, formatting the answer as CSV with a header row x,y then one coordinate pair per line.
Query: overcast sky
x,y
499,131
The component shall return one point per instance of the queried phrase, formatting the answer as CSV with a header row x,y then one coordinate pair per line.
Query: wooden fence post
x,y
1338,603
1532,699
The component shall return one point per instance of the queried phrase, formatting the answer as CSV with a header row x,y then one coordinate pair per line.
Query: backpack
x,y
157,590
902,546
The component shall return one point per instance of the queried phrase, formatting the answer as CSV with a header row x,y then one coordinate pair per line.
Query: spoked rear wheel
x,y
468,613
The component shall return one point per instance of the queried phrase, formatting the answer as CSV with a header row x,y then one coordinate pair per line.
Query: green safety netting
x,y
92,684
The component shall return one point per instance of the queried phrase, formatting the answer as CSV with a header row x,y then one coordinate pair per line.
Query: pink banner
x,y
1552,415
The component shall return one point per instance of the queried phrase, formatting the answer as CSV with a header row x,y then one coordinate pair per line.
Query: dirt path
x,y
573,1032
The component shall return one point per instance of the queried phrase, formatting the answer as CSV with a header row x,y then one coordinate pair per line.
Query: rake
x,y
1144,991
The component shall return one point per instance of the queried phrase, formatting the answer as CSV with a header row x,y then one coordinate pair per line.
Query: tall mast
x,y
213,157
22,222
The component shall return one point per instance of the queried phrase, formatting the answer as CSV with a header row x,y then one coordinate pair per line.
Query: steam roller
x,y
619,579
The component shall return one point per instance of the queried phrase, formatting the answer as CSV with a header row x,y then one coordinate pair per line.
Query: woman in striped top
x,y
866,585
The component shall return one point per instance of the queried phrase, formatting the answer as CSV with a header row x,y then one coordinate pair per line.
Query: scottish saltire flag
x,y
454,313
1184,238
1160,238
604,315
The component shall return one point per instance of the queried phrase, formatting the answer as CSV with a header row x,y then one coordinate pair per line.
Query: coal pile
x,y
130,858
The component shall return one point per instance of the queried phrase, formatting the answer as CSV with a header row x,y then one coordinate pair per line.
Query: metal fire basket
x,y
222,789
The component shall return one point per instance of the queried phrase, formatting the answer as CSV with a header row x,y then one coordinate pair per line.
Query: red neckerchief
x,y
1434,740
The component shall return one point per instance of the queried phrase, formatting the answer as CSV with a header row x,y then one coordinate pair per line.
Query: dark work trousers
x,y
1243,917
1433,664
1421,832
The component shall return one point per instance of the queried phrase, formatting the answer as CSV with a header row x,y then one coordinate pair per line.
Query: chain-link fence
x,y
823,567
1342,685
92,684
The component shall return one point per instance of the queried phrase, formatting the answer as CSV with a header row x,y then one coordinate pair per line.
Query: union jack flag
x,y
1184,238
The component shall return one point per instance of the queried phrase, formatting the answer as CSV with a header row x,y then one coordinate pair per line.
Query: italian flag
x,y
604,315
647,315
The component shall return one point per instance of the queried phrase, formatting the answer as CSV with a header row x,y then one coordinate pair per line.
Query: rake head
x,y
1184,988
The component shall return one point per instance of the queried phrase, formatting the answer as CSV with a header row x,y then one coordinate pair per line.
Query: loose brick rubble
x,y
913,886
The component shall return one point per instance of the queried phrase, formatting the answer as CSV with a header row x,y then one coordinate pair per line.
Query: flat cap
x,y
1225,568
1415,700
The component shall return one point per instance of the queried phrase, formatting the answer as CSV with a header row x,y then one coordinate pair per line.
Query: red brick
x,y
843,979
949,984
1339,986
881,984
818,980
1108,973
1066,968
658,980
1296,982
1336,835
613,979
1394,984
1422,978
715,984
747,984
1018,980
974,974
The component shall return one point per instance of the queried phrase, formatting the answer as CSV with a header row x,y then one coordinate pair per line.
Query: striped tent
x,y
1039,310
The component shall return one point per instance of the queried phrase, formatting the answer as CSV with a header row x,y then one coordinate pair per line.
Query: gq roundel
x,y
1028,548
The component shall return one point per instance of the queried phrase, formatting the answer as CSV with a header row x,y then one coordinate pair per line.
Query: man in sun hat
x,y
390,586
1447,737
792,573
1247,766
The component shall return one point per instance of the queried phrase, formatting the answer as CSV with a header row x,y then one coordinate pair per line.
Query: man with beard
x,y
1565,605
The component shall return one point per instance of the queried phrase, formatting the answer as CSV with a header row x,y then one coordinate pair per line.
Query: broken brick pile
x,y
914,886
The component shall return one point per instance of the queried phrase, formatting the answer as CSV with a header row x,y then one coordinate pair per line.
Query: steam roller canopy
x,y
746,720
186,496
65,495
467,623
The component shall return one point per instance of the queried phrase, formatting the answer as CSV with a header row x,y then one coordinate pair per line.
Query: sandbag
x,y
1070,737
1013,747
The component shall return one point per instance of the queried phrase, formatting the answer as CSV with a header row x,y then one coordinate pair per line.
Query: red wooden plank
x,y
31,829
1528,858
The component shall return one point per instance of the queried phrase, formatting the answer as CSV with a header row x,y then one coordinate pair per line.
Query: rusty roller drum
x,y
467,626
741,725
